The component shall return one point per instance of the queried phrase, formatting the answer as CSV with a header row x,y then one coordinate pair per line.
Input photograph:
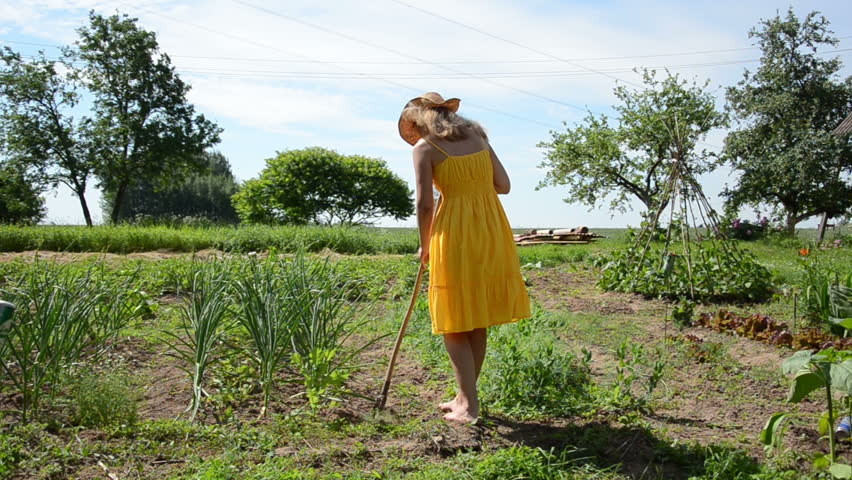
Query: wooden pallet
x,y
556,236
525,243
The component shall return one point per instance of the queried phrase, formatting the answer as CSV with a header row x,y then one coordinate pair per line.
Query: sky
x,y
282,75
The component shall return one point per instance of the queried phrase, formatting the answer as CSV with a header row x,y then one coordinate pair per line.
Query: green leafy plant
x,y
682,313
233,379
827,290
323,377
719,271
621,393
828,371
530,376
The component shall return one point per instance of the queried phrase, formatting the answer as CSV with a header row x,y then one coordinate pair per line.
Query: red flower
x,y
804,252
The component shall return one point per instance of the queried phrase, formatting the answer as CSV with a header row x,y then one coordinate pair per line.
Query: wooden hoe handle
x,y
383,396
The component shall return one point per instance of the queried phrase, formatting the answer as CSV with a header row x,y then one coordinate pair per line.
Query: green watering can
x,y
6,312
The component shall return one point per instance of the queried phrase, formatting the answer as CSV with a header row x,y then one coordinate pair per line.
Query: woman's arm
x,y
424,200
501,178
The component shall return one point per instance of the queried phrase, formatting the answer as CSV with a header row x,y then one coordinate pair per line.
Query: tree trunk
x,y
790,226
116,206
85,206
80,190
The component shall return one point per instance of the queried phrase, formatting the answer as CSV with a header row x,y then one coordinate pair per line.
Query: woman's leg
x,y
478,342
466,405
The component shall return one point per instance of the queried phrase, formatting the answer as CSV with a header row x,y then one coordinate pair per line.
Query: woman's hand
x,y
424,255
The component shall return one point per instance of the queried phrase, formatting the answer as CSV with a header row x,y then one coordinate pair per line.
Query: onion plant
x,y
56,321
203,324
263,315
322,320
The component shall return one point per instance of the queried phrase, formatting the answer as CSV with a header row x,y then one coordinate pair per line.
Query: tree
x,y
784,151
38,130
320,186
143,126
206,195
20,196
662,122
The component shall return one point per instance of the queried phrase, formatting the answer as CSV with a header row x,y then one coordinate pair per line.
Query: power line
x,y
366,76
348,75
511,42
405,55
454,62
451,76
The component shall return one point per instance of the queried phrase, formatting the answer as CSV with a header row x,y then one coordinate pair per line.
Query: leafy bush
x,y
103,399
741,229
320,186
720,271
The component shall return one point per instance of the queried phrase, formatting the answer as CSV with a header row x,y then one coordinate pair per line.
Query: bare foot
x,y
447,407
460,416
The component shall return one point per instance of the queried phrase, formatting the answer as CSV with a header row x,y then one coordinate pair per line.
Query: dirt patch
x,y
563,289
705,403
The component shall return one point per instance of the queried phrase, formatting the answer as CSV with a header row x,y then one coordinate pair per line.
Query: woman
x,y
475,279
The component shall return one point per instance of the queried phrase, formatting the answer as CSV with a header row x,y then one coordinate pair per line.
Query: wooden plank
x,y
552,242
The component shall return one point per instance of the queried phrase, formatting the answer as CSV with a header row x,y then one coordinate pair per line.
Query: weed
x,y
527,375
682,313
524,462
104,399
632,365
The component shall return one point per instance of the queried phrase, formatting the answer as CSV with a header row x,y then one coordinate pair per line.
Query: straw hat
x,y
407,130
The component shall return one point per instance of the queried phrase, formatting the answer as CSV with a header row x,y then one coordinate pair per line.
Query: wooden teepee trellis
x,y
683,196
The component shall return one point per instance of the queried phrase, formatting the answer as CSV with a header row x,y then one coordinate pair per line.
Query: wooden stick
x,y
383,396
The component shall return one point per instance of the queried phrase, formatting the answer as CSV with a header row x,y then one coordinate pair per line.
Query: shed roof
x,y
844,127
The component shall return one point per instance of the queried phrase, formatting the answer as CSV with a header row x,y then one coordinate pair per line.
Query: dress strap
x,y
430,142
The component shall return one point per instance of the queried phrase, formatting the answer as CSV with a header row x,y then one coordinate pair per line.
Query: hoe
x,y
383,396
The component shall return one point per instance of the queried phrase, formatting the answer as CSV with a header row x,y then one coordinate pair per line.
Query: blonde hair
x,y
441,122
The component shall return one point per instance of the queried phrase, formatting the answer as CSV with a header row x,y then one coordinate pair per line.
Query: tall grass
x,y
128,239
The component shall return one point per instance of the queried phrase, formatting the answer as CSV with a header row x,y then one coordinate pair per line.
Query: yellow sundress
x,y
474,272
